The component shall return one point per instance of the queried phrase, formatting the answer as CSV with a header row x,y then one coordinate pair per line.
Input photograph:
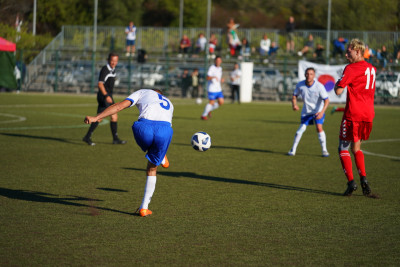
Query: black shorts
x,y
101,100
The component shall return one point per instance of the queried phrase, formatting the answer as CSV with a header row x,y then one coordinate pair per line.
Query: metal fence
x,y
68,63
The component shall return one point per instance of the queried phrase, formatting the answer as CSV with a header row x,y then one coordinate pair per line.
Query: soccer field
x,y
241,203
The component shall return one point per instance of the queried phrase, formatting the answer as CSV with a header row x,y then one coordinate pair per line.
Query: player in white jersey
x,y
214,78
316,102
152,132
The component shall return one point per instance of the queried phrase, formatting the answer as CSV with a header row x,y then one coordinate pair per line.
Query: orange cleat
x,y
204,118
145,212
166,162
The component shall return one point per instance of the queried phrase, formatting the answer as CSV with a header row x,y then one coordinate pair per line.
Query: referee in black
x,y
105,99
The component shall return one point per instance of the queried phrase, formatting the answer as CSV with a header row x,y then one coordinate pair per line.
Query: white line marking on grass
x,y
18,118
381,155
46,105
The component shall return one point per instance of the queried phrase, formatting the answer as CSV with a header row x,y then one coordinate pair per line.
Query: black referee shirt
x,y
107,76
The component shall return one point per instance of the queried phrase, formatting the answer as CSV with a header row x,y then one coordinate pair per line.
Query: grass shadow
x,y
36,196
237,148
236,181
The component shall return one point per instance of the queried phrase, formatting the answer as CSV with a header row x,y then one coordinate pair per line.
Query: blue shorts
x,y
130,42
213,96
153,137
309,120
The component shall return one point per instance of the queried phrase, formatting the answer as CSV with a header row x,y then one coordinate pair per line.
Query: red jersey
x,y
359,78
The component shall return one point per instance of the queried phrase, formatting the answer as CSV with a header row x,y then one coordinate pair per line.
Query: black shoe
x,y
365,186
87,140
351,187
119,142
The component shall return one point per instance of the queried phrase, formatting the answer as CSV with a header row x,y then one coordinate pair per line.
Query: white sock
x,y
322,140
207,109
148,191
298,136
215,106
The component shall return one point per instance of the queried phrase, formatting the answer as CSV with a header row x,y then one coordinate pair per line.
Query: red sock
x,y
345,159
360,163
339,109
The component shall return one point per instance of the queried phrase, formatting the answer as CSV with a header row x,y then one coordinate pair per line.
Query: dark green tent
x,y
7,64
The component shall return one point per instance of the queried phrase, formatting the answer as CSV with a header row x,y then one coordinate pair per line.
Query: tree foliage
x,y
367,15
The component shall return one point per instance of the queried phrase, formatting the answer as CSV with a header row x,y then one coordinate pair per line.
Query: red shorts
x,y
354,130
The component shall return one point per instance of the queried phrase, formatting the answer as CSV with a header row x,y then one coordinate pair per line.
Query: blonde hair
x,y
357,44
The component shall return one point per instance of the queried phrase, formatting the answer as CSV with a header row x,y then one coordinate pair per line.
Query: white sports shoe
x,y
291,153
325,154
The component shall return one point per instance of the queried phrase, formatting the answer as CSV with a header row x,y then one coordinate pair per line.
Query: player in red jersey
x,y
359,77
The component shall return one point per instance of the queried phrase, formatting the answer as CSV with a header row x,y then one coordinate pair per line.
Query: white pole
x,y
95,26
328,32
180,19
208,25
34,18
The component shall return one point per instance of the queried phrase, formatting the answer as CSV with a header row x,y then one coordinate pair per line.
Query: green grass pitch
x,y
241,203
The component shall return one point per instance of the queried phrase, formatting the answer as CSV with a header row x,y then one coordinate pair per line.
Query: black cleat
x,y
87,140
119,142
365,186
351,187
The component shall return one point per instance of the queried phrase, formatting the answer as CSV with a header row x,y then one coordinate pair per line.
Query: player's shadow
x,y
36,196
63,140
236,181
237,148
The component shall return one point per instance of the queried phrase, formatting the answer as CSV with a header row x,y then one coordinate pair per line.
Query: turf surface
x,y
243,202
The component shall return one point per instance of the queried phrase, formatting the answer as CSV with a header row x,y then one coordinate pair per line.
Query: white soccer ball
x,y
199,101
201,141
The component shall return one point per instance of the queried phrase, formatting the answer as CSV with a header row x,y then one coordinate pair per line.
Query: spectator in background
x,y
184,45
265,43
233,39
273,50
186,81
201,43
245,49
213,42
368,54
339,46
195,84
130,32
308,46
290,26
382,56
319,54
235,83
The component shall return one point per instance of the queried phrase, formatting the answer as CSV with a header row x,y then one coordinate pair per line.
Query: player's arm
x,y
320,114
115,108
294,103
338,90
104,92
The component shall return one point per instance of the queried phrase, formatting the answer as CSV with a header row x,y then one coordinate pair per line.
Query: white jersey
x,y
235,75
131,33
313,97
152,105
214,85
